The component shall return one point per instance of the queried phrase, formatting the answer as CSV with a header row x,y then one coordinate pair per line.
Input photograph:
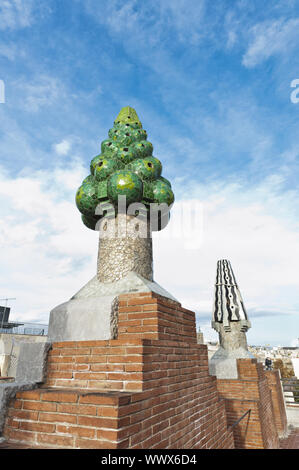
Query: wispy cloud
x,y
38,92
132,18
10,51
248,227
40,227
63,147
271,38
187,19
41,234
16,14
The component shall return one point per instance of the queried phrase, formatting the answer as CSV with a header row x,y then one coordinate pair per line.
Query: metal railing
x,y
240,419
41,330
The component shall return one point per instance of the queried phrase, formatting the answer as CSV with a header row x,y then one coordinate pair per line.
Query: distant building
x,y
285,358
5,325
11,335
200,339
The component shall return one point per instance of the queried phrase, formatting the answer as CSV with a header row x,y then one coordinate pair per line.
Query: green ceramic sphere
x,y
147,169
87,198
162,192
123,137
165,181
125,183
143,148
113,132
109,147
139,134
133,124
104,167
126,154
88,179
89,221
94,161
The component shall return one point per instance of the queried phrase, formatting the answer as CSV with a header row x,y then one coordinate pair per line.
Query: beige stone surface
x,y
125,245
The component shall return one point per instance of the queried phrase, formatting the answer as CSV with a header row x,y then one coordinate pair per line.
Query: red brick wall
x,y
118,364
273,379
178,406
179,418
250,391
105,365
150,388
151,316
66,419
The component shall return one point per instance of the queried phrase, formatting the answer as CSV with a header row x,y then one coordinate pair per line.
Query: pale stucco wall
x,y
10,349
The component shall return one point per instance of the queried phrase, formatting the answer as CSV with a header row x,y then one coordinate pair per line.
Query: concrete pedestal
x,y
91,314
223,363
233,346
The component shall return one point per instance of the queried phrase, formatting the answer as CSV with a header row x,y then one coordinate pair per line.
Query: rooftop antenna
x,y
6,300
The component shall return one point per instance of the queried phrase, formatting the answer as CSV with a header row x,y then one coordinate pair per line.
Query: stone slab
x,y
223,363
131,283
91,314
83,319
32,362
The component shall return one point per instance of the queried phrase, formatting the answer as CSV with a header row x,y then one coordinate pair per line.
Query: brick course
x,y
149,388
280,416
250,392
179,409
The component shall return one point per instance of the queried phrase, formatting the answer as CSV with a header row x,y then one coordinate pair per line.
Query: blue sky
x,y
211,83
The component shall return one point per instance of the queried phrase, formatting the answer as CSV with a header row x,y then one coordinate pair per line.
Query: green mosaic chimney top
x,y
128,115
125,167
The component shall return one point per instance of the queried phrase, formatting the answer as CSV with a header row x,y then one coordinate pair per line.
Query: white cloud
x,y
10,51
271,38
63,147
186,18
247,227
122,16
16,14
148,22
47,254
42,91
231,39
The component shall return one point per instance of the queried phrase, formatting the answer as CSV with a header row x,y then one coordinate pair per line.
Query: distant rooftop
x,y
19,328
24,328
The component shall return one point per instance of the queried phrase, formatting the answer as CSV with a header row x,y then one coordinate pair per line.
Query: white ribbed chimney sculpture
x,y
231,323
